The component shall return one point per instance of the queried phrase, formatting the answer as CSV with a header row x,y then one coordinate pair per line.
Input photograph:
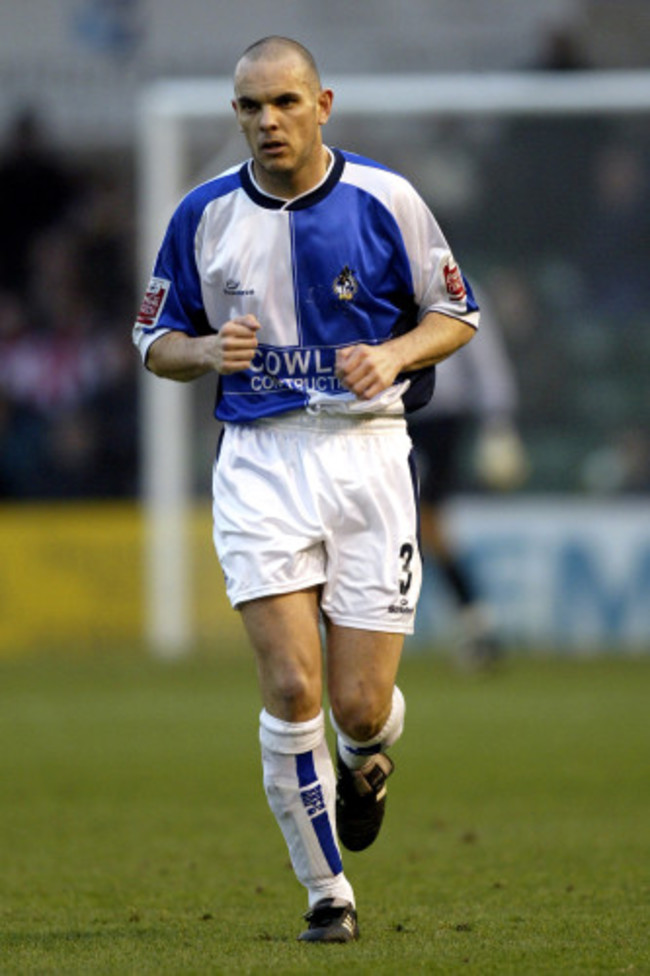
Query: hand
x,y
501,461
233,347
177,356
366,370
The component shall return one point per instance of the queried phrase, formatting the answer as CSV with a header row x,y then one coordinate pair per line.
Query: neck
x,y
288,186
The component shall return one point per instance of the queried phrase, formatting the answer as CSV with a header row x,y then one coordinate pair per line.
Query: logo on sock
x,y
313,800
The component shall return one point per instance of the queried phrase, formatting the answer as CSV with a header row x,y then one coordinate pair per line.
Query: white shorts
x,y
305,501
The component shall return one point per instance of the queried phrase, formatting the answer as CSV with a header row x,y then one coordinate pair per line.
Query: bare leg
x,y
368,715
286,639
361,671
299,776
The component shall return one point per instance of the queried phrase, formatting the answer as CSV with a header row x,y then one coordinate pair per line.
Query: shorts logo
x,y
454,282
153,301
345,285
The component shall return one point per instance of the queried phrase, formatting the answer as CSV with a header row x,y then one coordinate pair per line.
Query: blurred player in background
x,y
472,413
319,288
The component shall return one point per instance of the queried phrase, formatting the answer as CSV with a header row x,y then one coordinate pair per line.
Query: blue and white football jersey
x,y
359,258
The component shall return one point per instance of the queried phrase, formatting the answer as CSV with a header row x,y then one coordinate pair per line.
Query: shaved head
x,y
275,48
281,107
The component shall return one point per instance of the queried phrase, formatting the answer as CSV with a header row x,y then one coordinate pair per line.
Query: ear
x,y
325,99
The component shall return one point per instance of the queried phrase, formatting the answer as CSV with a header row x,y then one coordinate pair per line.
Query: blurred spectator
x,y
23,438
616,230
112,27
561,49
537,170
67,378
66,390
36,193
473,409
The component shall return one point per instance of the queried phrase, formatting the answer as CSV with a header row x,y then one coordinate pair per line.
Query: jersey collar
x,y
321,190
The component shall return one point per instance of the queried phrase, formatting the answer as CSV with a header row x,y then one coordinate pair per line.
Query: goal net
x,y
508,162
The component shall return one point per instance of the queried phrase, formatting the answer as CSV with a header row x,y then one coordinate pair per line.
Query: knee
x,y
292,694
360,716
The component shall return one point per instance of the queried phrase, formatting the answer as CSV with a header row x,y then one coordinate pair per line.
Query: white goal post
x,y
165,110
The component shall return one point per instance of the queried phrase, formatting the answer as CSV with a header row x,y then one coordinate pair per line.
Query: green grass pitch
x,y
135,836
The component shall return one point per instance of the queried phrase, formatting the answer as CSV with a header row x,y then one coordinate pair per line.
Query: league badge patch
x,y
454,281
153,301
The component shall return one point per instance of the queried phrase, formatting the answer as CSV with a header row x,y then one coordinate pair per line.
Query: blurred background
x,y
548,508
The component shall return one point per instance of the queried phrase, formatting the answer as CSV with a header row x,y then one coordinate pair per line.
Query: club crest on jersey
x,y
454,282
345,285
153,302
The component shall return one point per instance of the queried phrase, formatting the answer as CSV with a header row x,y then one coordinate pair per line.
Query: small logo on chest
x,y
234,287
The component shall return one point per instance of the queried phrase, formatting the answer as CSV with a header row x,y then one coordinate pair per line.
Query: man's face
x,y
281,110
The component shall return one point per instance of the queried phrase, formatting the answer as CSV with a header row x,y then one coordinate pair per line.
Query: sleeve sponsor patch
x,y
153,302
454,281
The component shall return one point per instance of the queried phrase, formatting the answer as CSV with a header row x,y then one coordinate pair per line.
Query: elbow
x,y
155,359
464,334
152,365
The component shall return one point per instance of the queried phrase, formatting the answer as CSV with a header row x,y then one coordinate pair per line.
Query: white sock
x,y
300,786
354,754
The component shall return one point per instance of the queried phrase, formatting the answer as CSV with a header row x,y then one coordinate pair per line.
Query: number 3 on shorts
x,y
406,576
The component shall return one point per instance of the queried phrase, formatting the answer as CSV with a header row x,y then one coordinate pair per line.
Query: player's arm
x,y
369,370
178,356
